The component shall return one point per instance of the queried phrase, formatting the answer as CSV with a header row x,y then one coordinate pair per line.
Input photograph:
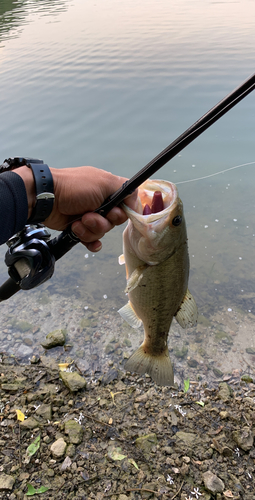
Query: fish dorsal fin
x,y
128,314
187,314
121,259
135,278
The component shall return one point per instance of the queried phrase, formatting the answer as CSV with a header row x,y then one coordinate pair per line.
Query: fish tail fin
x,y
159,367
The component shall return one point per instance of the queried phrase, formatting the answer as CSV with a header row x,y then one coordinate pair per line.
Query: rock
x,y
28,340
250,350
73,380
70,450
24,351
142,398
29,423
217,372
57,482
225,392
67,463
168,450
110,376
213,483
247,378
23,326
11,387
184,470
224,414
109,348
34,360
187,437
49,363
47,389
6,482
44,411
58,448
244,438
74,431
192,362
53,339
146,443
151,487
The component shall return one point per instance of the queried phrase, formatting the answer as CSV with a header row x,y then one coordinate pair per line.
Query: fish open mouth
x,y
155,196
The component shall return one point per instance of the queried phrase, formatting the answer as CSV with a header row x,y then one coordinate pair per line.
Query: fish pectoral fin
x,y
121,259
128,314
159,367
187,313
135,278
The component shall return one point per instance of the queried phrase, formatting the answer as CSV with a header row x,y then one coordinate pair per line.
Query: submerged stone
x,y
110,376
24,351
250,350
181,353
247,378
54,339
23,326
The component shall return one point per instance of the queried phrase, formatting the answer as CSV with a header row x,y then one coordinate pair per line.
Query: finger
x,y
116,216
93,247
91,227
131,201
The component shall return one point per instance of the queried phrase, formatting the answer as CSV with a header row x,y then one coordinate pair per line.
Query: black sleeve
x,y
13,205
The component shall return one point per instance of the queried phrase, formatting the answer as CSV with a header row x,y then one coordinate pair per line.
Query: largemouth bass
x,y
157,269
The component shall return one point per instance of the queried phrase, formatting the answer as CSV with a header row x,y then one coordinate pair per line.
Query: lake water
x,y
111,84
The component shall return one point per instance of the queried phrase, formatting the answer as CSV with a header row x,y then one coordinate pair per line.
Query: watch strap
x,y
44,188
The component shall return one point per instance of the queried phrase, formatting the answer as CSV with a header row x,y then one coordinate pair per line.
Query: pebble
x,y
213,483
67,463
24,350
58,448
6,482
73,380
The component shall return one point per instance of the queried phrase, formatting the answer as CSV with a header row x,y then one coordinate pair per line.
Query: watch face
x,y
6,165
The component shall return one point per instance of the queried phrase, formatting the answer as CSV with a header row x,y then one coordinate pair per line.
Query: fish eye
x,y
177,220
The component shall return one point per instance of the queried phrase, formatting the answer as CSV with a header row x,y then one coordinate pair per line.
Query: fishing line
x,y
54,231
216,173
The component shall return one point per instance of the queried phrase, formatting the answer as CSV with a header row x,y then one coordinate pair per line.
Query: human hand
x,y
78,192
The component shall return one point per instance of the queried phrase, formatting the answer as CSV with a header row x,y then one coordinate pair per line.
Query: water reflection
x,y
16,13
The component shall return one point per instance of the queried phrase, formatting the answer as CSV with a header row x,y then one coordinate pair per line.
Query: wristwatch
x,y
44,187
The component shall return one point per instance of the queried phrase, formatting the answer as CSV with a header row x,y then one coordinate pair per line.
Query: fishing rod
x,y
30,266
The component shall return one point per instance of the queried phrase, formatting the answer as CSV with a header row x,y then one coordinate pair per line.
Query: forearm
x,y
13,205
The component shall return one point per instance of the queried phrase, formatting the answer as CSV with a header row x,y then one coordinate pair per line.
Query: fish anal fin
x,y
135,278
158,367
187,313
128,314
121,259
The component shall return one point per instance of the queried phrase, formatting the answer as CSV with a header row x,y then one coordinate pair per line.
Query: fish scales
x,y
157,269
